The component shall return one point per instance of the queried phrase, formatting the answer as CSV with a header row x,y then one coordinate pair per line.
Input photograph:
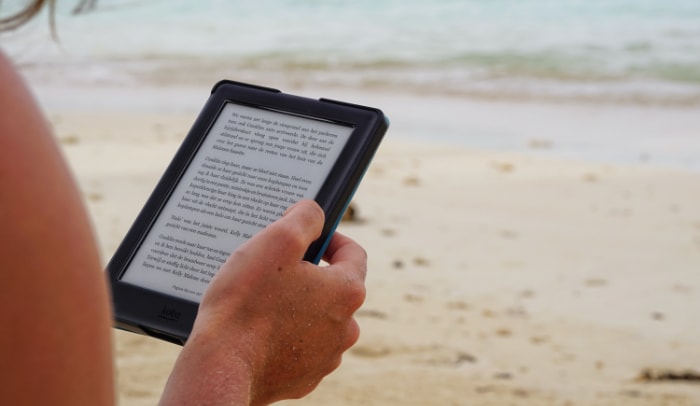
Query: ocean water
x,y
637,51
633,64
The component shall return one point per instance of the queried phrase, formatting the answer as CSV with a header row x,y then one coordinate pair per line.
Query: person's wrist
x,y
211,370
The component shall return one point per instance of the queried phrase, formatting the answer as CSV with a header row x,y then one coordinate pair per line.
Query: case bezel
x,y
170,318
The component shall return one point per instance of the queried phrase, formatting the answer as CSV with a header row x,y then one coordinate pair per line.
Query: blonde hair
x,y
17,19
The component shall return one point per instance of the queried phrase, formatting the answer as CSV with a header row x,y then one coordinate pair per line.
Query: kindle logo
x,y
170,314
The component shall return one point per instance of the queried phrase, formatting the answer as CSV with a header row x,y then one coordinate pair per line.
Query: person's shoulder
x,y
13,87
7,67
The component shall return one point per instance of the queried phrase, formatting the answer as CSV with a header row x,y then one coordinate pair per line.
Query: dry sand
x,y
494,278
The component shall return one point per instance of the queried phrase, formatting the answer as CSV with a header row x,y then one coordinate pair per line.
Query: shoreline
x,y
628,134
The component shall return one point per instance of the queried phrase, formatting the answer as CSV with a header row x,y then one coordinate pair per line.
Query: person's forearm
x,y
209,374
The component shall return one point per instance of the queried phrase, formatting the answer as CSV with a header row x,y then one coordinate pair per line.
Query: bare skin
x,y
53,297
270,326
238,342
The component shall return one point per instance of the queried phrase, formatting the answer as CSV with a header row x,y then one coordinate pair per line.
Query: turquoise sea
x,y
631,67
621,50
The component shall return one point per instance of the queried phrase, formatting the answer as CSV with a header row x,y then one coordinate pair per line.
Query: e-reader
x,y
251,153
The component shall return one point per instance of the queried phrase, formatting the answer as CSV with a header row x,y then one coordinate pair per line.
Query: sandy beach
x,y
495,278
532,218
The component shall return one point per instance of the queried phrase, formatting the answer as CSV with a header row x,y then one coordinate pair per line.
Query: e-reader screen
x,y
230,190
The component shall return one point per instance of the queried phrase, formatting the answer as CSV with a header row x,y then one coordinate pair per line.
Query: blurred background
x,y
615,53
531,219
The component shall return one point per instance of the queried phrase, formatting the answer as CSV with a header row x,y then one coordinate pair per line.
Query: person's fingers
x,y
353,333
289,237
303,221
347,270
344,252
280,245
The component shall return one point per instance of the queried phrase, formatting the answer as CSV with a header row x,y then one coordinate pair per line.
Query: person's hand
x,y
271,326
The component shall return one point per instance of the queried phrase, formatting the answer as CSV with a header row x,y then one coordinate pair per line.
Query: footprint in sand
x,y
658,316
441,356
539,339
374,314
503,167
668,375
370,351
590,177
540,143
420,261
94,196
595,282
504,332
458,305
412,298
388,232
411,181
69,139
